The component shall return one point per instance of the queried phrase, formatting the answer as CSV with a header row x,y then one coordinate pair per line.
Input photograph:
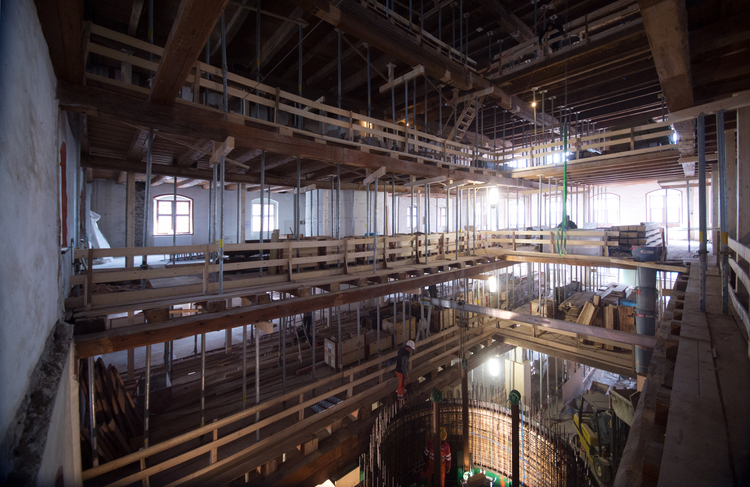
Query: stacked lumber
x,y
648,234
119,426
571,308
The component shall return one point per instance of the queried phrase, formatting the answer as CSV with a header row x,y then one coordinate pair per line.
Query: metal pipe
x,y
300,120
221,229
146,200
375,238
92,414
393,204
257,372
203,379
244,366
723,210
702,207
174,217
687,201
224,63
262,202
147,397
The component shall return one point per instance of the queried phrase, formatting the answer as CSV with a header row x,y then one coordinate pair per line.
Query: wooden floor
x,y
691,425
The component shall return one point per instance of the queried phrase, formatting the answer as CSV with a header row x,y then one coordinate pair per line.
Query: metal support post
x,y
375,236
723,211
221,229
702,207
147,396
92,414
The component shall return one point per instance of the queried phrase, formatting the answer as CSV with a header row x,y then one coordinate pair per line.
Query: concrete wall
x,y
32,131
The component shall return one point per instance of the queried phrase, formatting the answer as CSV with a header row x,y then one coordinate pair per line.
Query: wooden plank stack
x,y
119,426
571,308
601,308
648,234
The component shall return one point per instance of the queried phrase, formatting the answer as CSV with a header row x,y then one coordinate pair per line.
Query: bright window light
x,y
494,196
492,282
494,366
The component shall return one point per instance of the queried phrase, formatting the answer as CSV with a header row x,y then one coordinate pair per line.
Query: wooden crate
x,y
536,308
371,342
398,330
348,351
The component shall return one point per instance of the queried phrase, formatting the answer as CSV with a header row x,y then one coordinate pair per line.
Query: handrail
x,y
448,336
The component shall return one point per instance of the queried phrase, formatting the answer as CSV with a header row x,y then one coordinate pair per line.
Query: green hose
x,y
562,231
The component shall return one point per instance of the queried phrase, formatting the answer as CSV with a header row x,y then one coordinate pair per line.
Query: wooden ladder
x,y
463,122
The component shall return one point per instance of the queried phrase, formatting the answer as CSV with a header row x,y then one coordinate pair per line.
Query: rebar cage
x,y
397,445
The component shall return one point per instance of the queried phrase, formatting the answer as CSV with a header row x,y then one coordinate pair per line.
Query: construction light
x,y
533,104
492,283
494,196
494,366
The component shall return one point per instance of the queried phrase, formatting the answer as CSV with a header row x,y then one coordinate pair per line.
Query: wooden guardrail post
x,y
206,262
89,279
215,451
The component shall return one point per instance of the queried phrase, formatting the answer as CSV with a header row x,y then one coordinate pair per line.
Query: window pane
x,y
674,200
164,226
673,215
183,207
256,223
165,207
183,224
656,201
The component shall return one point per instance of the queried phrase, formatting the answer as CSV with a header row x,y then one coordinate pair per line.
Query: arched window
x,y
165,212
270,216
664,206
606,209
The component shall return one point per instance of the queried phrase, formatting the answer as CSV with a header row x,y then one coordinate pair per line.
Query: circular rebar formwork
x,y
397,444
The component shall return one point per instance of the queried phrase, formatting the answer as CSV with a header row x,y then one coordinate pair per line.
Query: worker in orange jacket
x,y
445,457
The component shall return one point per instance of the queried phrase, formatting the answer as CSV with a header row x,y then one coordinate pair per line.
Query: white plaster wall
x,y
63,450
29,172
108,199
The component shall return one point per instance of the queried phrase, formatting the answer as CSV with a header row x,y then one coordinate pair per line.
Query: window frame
x,y
268,203
169,198
412,221
595,211
664,219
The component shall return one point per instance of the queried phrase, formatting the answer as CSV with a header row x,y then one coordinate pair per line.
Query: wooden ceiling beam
x,y
235,17
509,22
135,17
278,40
667,30
189,121
357,20
191,29
62,25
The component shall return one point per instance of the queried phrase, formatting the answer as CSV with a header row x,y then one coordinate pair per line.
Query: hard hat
x,y
411,345
443,434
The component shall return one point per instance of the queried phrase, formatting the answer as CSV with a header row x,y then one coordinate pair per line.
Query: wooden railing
x,y
152,461
357,129
742,254
290,261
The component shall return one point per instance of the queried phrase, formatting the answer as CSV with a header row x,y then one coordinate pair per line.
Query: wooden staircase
x,y
464,121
